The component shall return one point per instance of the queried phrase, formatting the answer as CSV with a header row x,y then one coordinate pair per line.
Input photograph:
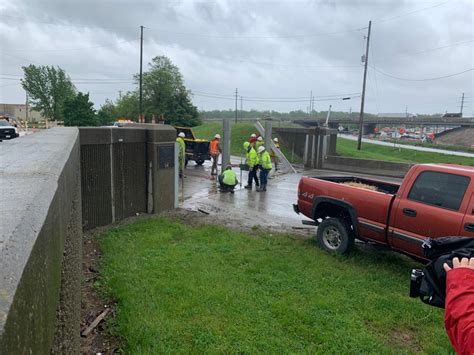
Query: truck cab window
x,y
439,189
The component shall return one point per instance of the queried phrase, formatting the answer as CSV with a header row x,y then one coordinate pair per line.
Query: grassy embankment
x,y
241,131
207,289
459,148
372,151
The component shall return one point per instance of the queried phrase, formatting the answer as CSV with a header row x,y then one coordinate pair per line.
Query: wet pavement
x,y
248,208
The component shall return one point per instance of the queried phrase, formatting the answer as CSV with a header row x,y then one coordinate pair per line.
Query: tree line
x,y
52,93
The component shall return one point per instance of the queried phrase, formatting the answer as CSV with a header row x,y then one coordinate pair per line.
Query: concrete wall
x,y
292,138
366,166
122,174
40,243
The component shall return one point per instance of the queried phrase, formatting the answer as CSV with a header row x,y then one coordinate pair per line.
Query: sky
x,y
276,53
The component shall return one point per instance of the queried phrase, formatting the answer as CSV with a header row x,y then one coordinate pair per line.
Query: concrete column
x,y
306,150
226,146
268,134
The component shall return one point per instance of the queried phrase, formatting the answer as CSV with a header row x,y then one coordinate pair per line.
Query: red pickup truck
x,y
433,200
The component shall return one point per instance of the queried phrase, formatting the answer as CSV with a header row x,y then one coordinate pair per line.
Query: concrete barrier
x,y
366,166
40,243
122,171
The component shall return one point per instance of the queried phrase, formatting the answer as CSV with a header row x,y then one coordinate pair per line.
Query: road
x,y
412,147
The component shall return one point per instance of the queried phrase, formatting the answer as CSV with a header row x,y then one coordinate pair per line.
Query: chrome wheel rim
x,y
332,238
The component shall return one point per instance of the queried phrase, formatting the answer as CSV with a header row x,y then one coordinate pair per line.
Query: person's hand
x,y
465,262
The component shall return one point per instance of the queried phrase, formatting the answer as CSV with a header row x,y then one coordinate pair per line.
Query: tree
x,y
127,106
107,113
164,94
47,87
79,111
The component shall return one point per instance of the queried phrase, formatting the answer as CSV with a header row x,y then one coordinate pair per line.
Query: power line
x,y
73,49
274,100
62,24
427,79
232,96
80,79
229,36
411,12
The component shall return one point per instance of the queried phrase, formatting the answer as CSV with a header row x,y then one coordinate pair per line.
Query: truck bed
x,y
372,206
380,186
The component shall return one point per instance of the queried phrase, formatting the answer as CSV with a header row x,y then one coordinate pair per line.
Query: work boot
x,y
264,188
248,187
259,189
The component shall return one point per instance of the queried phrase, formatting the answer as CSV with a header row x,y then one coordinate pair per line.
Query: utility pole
x,y
406,111
361,115
141,73
236,95
310,104
26,104
241,110
120,94
462,103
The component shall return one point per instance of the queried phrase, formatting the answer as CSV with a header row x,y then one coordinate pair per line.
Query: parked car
x,y
196,149
7,131
433,200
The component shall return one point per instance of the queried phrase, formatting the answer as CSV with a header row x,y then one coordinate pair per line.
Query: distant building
x,y
18,111
397,115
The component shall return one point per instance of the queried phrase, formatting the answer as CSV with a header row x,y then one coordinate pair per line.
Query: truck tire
x,y
199,162
335,236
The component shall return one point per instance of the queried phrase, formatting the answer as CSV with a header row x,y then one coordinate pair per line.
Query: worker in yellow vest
x,y
251,159
181,152
265,167
228,180
259,142
273,153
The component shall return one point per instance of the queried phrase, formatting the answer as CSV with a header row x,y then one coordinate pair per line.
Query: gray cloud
x,y
265,48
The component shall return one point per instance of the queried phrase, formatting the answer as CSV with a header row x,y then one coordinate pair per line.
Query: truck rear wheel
x,y
335,236
199,161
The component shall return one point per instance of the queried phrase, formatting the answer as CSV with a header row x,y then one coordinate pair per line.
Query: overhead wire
x,y
74,49
231,36
426,79
409,13
26,19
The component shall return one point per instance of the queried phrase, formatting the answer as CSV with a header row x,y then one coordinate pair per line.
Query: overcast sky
x,y
266,49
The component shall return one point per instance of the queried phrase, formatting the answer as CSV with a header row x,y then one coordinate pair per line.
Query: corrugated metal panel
x,y
96,187
129,166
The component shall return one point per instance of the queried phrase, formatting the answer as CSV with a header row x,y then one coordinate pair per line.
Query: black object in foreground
x,y
429,283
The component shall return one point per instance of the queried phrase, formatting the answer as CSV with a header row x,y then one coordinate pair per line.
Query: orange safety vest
x,y
214,147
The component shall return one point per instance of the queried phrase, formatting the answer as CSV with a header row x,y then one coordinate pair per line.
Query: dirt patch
x,y
98,340
404,338
208,214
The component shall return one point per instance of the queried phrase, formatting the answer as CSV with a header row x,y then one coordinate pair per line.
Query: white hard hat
x,y
253,135
181,134
261,149
275,140
218,136
260,138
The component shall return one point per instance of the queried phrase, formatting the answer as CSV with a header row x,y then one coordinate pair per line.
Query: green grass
x,y
207,289
348,148
459,148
